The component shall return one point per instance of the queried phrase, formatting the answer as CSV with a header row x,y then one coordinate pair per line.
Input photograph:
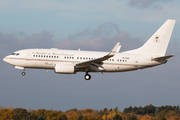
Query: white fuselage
x,y
152,53
48,58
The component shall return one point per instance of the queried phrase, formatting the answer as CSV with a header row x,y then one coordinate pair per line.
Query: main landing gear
x,y
23,73
87,76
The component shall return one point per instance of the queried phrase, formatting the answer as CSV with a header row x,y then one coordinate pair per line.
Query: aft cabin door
x,y
136,59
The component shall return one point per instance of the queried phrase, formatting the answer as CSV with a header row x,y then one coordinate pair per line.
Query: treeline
x,y
148,112
156,113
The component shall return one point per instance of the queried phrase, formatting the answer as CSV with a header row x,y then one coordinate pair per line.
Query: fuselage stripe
x,y
25,59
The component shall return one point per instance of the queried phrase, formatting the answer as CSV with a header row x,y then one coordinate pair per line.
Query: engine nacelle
x,y
64,68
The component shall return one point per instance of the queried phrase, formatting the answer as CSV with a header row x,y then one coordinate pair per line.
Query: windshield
x,y
15,53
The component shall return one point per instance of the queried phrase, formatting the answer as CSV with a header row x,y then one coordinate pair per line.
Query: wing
x,y
162,58
96,64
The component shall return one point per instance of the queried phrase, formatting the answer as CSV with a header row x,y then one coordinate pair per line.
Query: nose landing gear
x,y
23,73
87,76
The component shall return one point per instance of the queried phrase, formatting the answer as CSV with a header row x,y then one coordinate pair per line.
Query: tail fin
x,y
157,44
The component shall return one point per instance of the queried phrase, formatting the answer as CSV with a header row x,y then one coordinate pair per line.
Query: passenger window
x,y
33,55
77,57
54,56
57,56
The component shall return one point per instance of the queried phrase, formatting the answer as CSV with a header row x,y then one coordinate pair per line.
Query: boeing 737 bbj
x,y
152,53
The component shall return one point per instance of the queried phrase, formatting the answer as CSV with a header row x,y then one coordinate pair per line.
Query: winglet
x,y
119,47
114,50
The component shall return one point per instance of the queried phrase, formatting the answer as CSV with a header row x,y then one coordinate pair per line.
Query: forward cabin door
x,y
28,57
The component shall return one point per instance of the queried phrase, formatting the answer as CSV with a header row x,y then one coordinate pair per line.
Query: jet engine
x,y
64,68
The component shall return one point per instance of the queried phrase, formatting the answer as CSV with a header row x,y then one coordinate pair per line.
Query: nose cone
x,y
5,59
8,60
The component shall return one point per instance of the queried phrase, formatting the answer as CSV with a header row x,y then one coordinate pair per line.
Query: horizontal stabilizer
x,y
163,58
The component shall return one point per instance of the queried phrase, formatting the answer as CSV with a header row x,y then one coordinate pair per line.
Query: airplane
x,y
152,53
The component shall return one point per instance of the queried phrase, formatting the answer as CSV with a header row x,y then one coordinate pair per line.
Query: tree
x,y
117,117
116,110
5,114
62,116
80,117
41,117
163,118
128,110
133,117
19,113
32,116
74,109
40,112
149,109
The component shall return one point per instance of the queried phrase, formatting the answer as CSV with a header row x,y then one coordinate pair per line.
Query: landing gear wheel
x,y
23,73
87,77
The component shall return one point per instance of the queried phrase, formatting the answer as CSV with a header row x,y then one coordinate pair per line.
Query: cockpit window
x,y
15,53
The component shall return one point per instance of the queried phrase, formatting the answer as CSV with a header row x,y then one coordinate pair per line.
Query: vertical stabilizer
x,y
157,44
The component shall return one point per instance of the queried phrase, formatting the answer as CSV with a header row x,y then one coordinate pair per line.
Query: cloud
x,y
104,37
12,42
101,38
146,3
106,29
91,10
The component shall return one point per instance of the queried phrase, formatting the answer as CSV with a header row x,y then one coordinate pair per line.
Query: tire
x,y
87,77
23,73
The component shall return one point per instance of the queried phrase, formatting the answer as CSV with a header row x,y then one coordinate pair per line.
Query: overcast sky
x,y
95,25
